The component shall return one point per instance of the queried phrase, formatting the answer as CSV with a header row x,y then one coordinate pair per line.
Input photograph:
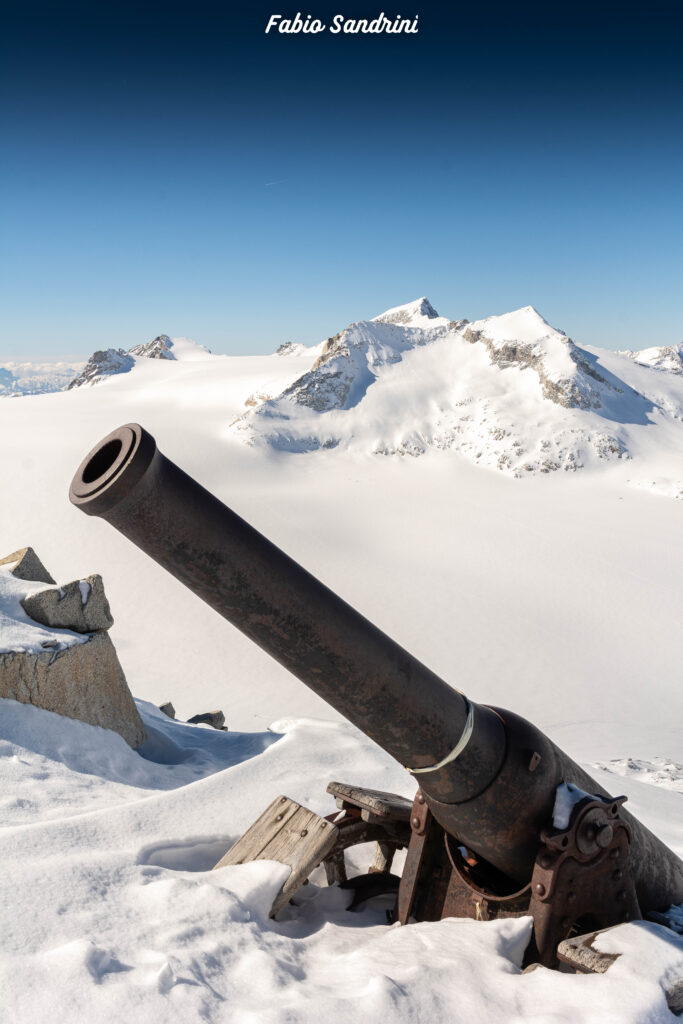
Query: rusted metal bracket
x,y
426,873
581,878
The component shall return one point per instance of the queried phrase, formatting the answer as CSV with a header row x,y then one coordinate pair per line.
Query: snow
x,y
525,325
659,770
566,798
187,350
110,854
552,595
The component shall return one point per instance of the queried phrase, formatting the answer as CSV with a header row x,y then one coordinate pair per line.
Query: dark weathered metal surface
x,y
496,796
518,805
418,875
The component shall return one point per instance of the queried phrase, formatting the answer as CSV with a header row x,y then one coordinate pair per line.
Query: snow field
x,y
122,916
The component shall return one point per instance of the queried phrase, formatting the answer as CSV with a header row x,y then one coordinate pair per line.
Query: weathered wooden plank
x,y
249,846
374,801
335,868
384,855
288,833
580,953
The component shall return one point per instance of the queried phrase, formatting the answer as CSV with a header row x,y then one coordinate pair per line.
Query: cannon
x,y
481,837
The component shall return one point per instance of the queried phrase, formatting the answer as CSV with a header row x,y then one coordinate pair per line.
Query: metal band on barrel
x,y
457,749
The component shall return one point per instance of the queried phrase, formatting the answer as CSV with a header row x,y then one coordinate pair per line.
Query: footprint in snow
x,y
198,854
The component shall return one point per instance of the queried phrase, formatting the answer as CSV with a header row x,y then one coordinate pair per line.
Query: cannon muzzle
x,y
489,777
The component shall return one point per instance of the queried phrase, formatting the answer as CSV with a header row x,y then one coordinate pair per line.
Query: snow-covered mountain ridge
x,y
524,339
18,379
665,357
510,392
107,362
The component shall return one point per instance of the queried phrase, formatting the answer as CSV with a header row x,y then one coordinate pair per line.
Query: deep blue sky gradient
x,y
171,168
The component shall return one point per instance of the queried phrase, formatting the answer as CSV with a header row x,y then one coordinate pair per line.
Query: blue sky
x,y
168,168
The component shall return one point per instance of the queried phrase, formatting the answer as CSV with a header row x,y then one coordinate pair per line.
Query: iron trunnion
x,y
481,842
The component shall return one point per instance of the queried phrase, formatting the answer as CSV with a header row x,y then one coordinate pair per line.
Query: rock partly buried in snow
x,y
84,681
213,718
167,709
81,605
53,666
24,564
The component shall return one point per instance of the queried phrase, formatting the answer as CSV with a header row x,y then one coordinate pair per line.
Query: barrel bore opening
x,y
102,461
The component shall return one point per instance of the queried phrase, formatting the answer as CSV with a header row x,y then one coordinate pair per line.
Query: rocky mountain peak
x,y
412,314
160,347
103,363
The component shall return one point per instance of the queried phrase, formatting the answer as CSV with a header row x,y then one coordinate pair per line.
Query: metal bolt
x,y
304,832
415,823
604,836
545,860
279,817
283,800
539,889
420,798
323,824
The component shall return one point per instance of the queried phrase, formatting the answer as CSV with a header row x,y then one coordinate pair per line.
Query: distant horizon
x,y
74,357
177,169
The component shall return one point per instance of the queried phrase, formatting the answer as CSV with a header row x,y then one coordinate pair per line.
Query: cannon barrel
x,y
489,777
